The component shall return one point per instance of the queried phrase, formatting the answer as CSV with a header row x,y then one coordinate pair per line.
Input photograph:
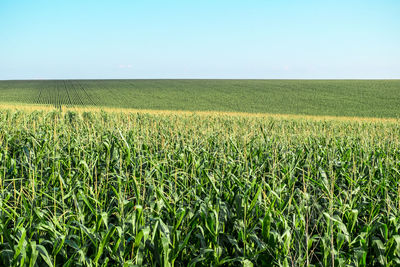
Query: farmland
x,y
362,98
196,173
103,188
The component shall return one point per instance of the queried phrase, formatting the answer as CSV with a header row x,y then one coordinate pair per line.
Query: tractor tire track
x,y
69,98
38,100
90,99
78,98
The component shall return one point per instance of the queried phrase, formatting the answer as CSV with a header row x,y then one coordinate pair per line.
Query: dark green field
x,y
364,98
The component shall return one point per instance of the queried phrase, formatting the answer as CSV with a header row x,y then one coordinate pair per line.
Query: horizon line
x,y
293,79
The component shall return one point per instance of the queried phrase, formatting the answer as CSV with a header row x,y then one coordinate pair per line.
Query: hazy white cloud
x,y
125,66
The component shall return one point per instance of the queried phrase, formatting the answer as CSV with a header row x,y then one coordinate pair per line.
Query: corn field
x,y
354,98
133,189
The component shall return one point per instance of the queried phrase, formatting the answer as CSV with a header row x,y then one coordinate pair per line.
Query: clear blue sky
x,y
199,39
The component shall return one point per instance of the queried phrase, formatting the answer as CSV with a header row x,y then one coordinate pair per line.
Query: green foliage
x,y
363,98
106,189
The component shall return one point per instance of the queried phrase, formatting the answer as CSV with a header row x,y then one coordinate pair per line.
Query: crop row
x,y
64,93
